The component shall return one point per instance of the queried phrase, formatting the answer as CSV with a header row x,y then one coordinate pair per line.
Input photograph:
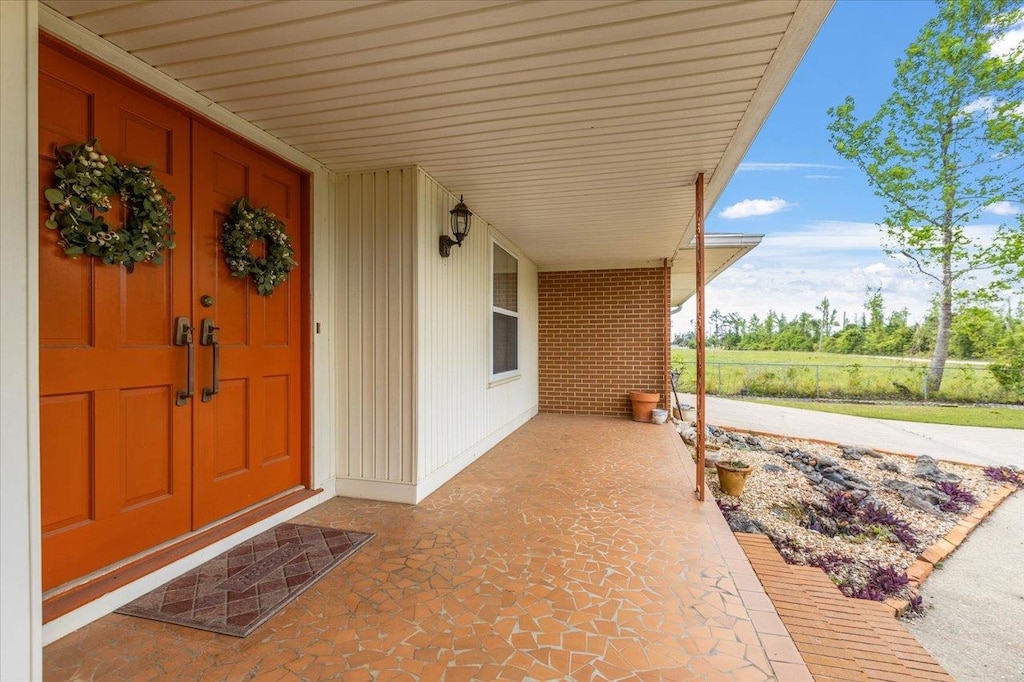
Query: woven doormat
x,y
237,591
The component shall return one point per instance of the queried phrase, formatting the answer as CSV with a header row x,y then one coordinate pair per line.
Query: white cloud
x,y
1008,42
755,207
987,106
760,166
822,177
876,269
826,235
1004,208
791,271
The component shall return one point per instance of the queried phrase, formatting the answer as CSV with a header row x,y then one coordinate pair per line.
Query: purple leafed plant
x,y
830,562
1005,475
883,582
843,506
904,534
916,607
874,514
959,499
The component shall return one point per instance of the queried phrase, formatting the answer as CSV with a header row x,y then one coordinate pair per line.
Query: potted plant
x,y
732,476
643,404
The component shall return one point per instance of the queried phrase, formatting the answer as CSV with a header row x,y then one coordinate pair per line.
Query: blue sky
x,y
821,233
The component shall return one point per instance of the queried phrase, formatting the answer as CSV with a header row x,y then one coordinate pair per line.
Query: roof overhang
x,y
577,127
720,252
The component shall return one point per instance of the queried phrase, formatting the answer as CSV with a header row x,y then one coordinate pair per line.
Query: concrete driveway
x,y
972,444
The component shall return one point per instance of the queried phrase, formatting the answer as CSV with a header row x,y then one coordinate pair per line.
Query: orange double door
x,y
128,462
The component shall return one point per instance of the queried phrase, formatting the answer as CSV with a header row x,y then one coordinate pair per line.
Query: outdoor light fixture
x,y
460,228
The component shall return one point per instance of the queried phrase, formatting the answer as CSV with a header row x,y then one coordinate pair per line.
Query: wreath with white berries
x,y
88,178
243,226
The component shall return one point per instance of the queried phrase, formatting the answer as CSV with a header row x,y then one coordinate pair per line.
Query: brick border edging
x,y
919,571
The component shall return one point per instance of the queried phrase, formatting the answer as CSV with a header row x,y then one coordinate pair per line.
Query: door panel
x,y
115,453
247,437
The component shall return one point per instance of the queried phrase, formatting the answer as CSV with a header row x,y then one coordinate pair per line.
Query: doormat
x,y
237,591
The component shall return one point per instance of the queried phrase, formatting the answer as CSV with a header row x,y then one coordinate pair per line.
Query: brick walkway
x,y
840,639
575,549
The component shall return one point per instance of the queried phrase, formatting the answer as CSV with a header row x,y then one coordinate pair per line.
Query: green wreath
x,y
243,226
87,179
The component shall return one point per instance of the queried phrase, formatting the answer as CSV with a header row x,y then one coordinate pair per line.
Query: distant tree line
x,y
978,332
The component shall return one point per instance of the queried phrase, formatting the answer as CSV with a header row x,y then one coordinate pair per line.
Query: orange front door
x,y
115,451
247,437
123,467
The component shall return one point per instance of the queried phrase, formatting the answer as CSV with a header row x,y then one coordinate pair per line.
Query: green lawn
x,y
794,374
961,415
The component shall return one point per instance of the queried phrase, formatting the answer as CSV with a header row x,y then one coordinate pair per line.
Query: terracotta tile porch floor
x,y
574,549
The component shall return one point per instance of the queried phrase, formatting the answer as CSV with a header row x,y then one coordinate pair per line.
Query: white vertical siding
x,y
460,415
375,215
21,650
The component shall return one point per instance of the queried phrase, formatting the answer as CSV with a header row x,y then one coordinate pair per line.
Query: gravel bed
x,y
777,498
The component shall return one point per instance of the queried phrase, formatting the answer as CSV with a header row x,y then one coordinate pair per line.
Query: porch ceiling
x,y
576,127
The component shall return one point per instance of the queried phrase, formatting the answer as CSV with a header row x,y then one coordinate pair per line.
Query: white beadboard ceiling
x,y
577,127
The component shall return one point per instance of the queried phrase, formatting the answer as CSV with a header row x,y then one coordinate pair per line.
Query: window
x,y
504,313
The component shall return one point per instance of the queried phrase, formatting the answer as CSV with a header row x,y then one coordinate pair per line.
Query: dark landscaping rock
x,y
889,466
773,468
754,442
857,452
925,499
926,467
814,477
826,461
778,450
741,523
836,478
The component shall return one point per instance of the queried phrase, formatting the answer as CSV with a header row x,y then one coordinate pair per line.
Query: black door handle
x,y
208,337
183,337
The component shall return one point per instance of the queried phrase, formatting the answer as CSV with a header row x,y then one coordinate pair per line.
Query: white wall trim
x,y
439,477
21,648
69,622
384,491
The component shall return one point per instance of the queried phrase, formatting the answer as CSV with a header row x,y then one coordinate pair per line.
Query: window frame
x,y
512,374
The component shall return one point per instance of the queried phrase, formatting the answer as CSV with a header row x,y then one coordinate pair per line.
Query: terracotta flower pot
x,y
643,404
732,478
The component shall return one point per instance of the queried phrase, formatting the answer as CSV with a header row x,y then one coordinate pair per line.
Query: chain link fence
x,y
961,383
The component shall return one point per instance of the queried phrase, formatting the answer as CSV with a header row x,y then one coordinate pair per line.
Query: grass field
x,y
782,374
958,415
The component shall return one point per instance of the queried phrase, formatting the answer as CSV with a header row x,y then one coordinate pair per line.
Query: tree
x,y
947,143
828,320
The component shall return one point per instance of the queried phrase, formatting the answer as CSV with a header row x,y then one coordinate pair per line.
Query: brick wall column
x,y
603,333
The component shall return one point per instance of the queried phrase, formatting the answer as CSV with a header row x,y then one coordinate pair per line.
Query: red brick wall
x,y
602,334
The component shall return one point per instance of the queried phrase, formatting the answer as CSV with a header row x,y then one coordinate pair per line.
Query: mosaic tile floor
x,y
237,591
572,550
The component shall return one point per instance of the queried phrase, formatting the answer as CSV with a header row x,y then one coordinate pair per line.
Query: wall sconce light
x,y
460,228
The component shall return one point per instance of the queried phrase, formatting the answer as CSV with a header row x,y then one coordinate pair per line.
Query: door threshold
x,y
67,600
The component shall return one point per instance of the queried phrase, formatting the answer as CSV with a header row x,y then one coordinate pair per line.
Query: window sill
x,y
498,381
